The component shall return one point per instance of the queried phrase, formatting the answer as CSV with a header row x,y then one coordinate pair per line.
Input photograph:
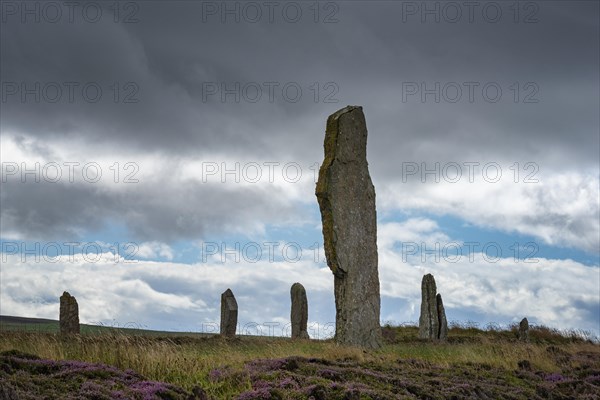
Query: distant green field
x,y
23,324
8,323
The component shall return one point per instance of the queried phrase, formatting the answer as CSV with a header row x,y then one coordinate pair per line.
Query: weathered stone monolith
x,y
442,321
433,324
299,312
428,321
69,315
524,330
346,199
229,313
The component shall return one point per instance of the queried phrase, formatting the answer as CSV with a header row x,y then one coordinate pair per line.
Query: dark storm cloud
x,y
171,54
57,211
170,61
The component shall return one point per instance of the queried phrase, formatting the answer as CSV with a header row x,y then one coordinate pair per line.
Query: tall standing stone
x,y
346,199
442,321
524,330
299,312
428,321
69,315
433,324
229,313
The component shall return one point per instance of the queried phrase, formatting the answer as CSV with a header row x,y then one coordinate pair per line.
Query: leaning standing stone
x,y
524,330
346,199
299,312
442,321
69,315
428,320
229,313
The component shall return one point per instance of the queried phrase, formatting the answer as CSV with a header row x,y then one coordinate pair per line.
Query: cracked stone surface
x,y
69,315
346,197
433,324
299,312
524,330
229,313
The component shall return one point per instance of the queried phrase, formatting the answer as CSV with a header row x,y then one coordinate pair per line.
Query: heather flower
x,y
53,379
261,384
329,373
266,365
219,374
93,390
288,383
554,377
263,393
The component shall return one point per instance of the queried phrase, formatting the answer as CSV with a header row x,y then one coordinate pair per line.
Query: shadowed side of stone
x,y
69,315
428,320
299,312
346,199
229,313
442,321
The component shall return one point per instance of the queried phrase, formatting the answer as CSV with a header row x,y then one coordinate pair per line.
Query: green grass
x,y
187,360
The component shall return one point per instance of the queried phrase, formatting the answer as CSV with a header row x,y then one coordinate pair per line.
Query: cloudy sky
x,y
157,153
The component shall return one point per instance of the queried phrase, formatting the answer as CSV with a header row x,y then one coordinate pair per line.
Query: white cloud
x,y
562,209
154,249
413,230
167,295
551,292
160,295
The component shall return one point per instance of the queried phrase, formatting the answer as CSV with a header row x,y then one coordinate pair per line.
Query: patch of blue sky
x,y
467,238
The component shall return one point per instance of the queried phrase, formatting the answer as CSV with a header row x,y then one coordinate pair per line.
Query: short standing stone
x,y
346,199
442,321
299,312
69,315
524,330
429,326
229,313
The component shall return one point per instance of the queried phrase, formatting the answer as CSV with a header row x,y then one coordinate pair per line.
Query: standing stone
x,y
299,313
429,326
346,199
229,313
524,330
69,315
433,324
442,321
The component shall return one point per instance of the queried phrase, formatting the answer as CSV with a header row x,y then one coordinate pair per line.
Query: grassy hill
x,y
40,325
474,363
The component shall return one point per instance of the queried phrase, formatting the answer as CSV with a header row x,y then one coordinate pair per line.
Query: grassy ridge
x,y
36,325
220,366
